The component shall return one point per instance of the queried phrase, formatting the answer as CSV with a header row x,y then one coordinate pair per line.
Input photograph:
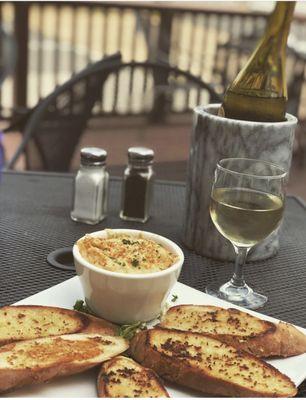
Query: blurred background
x,y
48,42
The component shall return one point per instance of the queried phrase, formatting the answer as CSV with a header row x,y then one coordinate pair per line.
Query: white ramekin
x,y
127,298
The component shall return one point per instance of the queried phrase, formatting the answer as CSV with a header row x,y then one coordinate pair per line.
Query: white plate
x,y
84,385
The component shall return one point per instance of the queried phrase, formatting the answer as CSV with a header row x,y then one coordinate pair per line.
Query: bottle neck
x,y
278,24
269,55
274,42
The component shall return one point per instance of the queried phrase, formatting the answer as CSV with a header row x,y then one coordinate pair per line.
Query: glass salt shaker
x,y
91,187
137,188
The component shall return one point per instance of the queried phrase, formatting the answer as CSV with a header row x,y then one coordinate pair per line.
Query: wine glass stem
x,y
241,255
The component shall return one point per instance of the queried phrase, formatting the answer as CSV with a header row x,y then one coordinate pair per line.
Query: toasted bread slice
x,y
123,377
237,328
204,363
31,322
39,360
99,325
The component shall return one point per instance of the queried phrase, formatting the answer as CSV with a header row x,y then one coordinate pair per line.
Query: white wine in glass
x,y
247,204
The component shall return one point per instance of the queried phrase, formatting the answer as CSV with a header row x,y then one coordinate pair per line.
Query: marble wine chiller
x,y
214,138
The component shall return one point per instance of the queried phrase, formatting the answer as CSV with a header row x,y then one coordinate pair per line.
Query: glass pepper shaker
x,y
137,186
91,187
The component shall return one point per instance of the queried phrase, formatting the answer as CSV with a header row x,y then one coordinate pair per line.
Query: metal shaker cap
x,y
140,155
93,156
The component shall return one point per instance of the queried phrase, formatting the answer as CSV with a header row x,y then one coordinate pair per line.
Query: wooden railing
x,y
56,39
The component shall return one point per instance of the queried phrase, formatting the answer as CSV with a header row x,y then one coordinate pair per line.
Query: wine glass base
x,y
242,296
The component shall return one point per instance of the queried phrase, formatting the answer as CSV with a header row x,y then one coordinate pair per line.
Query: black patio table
x,y
35,220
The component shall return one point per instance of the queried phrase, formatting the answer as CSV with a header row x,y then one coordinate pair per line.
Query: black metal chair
x,y
154,89
52,129
150,89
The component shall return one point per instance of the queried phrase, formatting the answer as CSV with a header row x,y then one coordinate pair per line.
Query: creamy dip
x,y
125,253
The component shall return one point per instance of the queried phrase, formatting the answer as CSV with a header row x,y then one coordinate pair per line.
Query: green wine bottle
x,y
259,92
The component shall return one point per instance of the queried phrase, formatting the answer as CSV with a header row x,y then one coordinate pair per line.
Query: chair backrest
x,y
154,89
56,124
136,88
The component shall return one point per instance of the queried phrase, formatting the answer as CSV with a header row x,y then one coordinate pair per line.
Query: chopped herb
x,y
128,331
126,241
135,262
174,298
81,306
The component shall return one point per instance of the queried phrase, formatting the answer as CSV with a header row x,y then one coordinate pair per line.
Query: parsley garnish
x,y
128,331
126,241
135,262
174,298
81,306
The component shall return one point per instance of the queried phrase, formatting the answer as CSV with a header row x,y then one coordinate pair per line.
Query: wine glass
x,y
247,204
